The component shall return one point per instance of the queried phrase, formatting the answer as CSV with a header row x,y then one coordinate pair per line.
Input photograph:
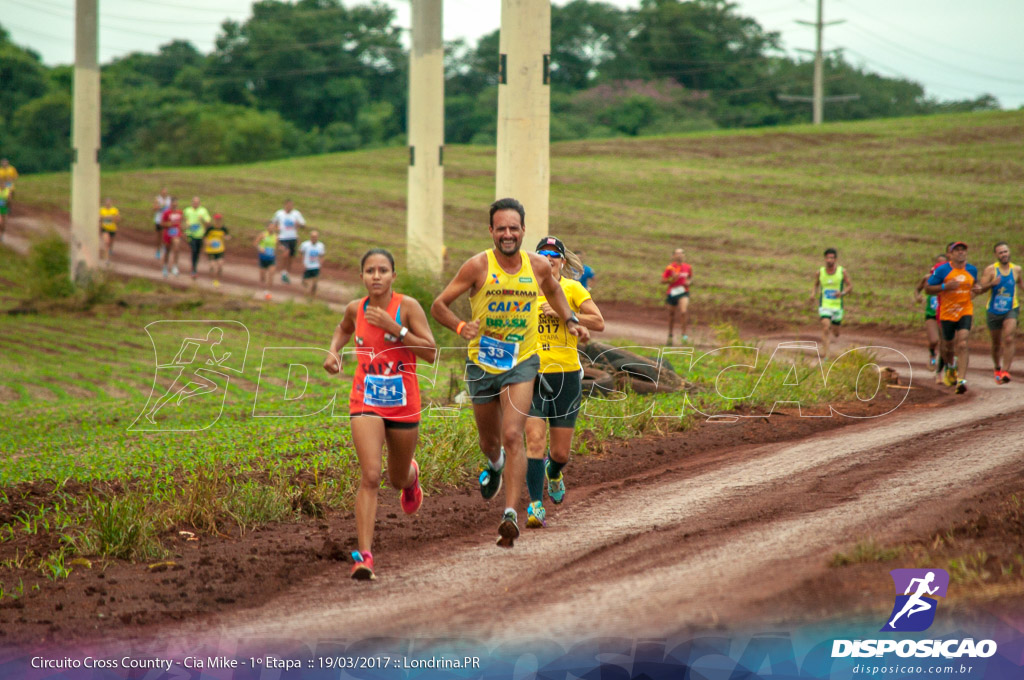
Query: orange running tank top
x,y
385,383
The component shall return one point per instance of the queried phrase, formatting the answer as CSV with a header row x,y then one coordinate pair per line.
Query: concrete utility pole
x,y
85,143
819,98
425,219
524,109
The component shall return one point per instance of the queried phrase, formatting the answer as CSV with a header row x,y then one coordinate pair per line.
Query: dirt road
x,y
672,550
690,544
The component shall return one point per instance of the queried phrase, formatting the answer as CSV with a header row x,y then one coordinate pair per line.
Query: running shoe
x,y
556,486
508,530
999,377
1006,377
668,343
284,277
686,338
165,272
216,283
535,514
961,386
159,253
362,570
949,379
490,482
174,270
932,361
266,295
412,495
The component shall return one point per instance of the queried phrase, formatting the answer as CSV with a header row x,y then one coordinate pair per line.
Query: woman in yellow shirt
x,y
558,390
109,219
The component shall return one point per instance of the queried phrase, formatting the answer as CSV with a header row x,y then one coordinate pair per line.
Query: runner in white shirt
x,y
288,221
312,255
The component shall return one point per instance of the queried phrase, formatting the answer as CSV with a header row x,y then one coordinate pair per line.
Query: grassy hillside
x,y
754,209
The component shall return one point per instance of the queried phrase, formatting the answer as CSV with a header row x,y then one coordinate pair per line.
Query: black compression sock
x,y
535,478
555,467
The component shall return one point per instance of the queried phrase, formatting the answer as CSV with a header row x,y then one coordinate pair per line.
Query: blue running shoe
x,y
490,482
535,515
556,487
508,530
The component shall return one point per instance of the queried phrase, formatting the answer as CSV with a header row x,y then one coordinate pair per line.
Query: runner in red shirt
x,y
171,223
390,332
679,276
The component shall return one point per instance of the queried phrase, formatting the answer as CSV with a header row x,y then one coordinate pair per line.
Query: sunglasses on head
x,y
550,253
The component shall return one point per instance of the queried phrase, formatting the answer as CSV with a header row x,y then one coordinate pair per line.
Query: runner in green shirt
x,y
196,219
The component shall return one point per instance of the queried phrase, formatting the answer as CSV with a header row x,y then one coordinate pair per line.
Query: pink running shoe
x,y
412,496
362,570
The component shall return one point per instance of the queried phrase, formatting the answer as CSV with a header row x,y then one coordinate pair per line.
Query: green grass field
x,y
754,209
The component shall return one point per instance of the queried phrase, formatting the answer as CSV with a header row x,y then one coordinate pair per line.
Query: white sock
x,y
500,465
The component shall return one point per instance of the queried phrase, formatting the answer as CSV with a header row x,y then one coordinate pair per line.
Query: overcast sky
x,y
956,49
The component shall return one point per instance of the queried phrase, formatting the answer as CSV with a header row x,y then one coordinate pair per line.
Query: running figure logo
x,y
915,611
205,353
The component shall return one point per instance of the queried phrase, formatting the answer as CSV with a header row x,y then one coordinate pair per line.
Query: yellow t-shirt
x,y
506,307
108,217
214,240
556,345
8,175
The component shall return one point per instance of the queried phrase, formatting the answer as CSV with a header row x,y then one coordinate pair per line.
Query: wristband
x,y
943,286
458,329
574,318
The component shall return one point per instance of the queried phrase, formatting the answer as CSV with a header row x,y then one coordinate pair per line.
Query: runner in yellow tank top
x,y
558,390
503,360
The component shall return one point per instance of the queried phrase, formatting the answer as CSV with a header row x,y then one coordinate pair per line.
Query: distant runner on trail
x,y
503,285
196,219
915,603
931,311
171,221
266,247
1004,279
195,383
956,284
679,277
288,221
8,176
110,217
5,204
390,331
312,256
215,239
161,204
558,390
831,284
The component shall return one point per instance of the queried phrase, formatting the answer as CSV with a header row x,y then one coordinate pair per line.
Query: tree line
x,y
316,76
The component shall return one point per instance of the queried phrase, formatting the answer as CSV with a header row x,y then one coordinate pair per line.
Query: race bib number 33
x,y
498,353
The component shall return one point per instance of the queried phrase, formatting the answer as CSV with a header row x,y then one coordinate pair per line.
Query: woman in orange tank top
x,y
390,332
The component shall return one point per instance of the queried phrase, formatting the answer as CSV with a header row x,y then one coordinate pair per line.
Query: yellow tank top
x,y
506,307
555,345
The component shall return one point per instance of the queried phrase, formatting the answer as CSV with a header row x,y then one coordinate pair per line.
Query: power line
x,y
906,50
945,46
